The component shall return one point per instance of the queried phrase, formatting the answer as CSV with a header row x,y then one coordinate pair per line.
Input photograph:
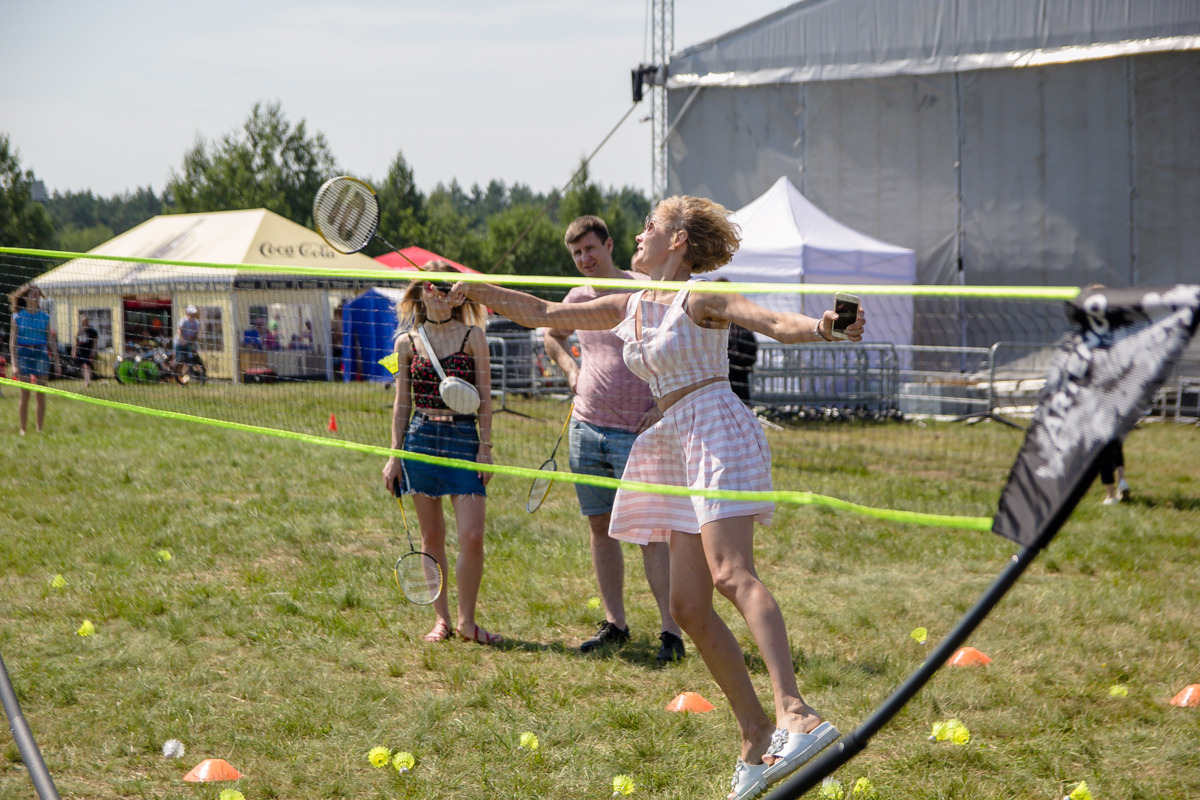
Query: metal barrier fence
x,y
864,377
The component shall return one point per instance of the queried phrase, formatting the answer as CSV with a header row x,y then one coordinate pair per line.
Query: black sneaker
x,y
672,647
606,633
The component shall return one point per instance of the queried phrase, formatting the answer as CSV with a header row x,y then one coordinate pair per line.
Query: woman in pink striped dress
x,y
676,341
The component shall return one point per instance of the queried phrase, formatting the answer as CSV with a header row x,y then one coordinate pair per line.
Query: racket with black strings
x,y
541,485
418,574
346,212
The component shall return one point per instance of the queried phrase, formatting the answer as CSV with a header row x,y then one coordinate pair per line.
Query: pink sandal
x,y
440,633
481,636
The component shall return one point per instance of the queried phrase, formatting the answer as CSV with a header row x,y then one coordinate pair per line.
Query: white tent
x,y
786,239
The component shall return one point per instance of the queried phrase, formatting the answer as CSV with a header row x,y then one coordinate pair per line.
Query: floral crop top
x,y
425,380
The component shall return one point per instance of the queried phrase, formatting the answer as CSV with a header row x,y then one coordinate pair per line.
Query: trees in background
x,y
270,163
23,222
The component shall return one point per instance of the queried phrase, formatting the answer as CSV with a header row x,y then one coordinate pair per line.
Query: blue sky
x,y
107,95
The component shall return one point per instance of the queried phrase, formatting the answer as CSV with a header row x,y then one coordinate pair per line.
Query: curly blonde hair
x,y
711,238
412,307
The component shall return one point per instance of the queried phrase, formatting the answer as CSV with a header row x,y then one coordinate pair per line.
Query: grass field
x,y
274,638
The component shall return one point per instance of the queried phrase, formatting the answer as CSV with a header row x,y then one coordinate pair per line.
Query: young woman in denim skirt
x,y
423,423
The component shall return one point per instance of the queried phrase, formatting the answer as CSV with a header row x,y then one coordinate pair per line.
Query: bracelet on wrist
x,y
820,335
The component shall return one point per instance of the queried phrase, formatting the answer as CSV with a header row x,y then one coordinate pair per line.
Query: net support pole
x,y
856,741
26,746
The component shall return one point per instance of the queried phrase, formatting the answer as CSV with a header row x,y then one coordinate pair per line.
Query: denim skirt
x,y
452,438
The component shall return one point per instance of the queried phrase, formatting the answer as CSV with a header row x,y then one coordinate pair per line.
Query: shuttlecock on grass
x,y
58,581
231,794
1118,690
919,635
403,762
622,784
529,741
832,789
951,730
379,756
173,748
87,628
863,790
163,555
593,603
1080,792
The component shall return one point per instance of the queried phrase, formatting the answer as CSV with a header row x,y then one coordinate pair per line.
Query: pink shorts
x,y
708,440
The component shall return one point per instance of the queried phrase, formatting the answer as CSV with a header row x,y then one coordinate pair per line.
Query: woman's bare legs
x,y
433,541
469,513
722,558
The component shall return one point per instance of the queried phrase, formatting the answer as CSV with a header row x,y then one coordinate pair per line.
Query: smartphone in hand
x,y
846,306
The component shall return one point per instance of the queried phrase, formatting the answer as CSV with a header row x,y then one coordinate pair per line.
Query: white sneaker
x,y
1122,489
1110,501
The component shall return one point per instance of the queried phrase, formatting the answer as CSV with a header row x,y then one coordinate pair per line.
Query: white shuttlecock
x,y
173,748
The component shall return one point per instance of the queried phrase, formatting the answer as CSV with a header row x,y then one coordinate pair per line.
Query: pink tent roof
x,y
420,256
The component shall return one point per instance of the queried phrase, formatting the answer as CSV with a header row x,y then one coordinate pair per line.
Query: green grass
x,y
275,639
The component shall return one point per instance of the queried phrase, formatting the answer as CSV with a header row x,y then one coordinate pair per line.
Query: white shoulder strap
x,y
433,359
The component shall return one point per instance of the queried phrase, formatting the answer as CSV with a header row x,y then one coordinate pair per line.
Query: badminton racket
x,y
541,485
418,575
346,212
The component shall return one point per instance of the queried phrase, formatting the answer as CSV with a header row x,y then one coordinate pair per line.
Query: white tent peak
x,y
783,212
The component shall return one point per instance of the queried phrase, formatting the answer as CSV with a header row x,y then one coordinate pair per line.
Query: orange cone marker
x,y
690,701
1188,697
332,423
969,657
212,769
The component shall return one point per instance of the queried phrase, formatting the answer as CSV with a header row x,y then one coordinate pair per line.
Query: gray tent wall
x,y
1008,142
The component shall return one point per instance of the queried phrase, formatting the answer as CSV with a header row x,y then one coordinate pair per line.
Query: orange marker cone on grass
x,y
690,701
969,657
1188,697
332,423
212,769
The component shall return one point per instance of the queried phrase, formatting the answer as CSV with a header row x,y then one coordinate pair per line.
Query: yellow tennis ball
x,y
58,581
87,628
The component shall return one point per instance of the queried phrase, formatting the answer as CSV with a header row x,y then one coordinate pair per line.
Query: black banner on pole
x,y
1121,346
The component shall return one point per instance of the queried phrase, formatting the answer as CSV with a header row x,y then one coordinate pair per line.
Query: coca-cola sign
x,y
299,250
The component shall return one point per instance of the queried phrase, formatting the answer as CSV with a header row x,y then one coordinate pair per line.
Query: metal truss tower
x,y
663,42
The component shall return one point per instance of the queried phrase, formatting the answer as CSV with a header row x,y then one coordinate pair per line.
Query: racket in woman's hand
x,y
541,485
346,212
418,575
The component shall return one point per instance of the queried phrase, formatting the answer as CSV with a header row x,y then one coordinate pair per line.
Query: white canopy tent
x,y
787,239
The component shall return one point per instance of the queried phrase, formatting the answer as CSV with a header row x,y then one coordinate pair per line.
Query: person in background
x,y
612,406
1112,458
84,348
677,341
187,336
31,348
423,423
270,337
743,353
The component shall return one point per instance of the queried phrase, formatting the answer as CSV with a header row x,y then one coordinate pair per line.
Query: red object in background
x,y
420,256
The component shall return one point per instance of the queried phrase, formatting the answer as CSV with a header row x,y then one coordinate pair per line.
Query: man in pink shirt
x,y
612,406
